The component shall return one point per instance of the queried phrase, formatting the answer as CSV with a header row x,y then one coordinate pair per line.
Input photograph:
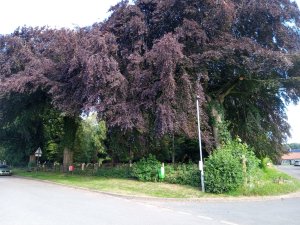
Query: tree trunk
x,y
68,158
130,157
217,106
173,149
70,129
32,159
217,119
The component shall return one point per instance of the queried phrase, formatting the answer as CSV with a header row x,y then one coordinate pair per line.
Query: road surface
x,y
291,170
28,202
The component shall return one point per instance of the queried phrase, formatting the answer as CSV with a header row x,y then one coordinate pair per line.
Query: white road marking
x,y
151,206
166,209
184,213
205,217
228,223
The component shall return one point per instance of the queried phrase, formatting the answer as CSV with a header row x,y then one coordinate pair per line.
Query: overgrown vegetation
x,y
123,171
223,172
184,174
119,186
146,169
268,182
230,167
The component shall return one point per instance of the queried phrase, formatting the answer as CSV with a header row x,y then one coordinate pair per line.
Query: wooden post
x,y
244,161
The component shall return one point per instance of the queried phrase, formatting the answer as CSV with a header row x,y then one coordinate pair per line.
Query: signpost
x,y
200,147
38,153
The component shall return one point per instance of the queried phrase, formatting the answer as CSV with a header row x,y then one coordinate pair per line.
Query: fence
x,y
105,170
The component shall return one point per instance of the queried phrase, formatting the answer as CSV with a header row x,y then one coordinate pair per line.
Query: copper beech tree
x,y
142,68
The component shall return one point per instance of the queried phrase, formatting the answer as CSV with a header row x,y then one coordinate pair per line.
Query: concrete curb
x,y
149,198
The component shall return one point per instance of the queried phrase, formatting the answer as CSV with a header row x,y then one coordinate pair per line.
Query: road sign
x,y
38,152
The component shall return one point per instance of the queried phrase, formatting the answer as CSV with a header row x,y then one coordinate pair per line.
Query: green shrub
x,y
242,150
146,169
115,172
223,172
265,162
31,165
185,174
123,171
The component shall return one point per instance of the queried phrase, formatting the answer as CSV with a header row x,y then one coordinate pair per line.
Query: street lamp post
x,y
201,168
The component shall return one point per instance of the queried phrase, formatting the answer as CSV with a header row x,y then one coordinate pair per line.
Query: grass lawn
x,y
270,182
119,186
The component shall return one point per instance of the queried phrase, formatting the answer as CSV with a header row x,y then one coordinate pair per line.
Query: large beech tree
x,y
231,53
72,68
143,67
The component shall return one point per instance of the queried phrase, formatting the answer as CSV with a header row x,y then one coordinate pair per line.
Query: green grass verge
x,y
269,182
117,185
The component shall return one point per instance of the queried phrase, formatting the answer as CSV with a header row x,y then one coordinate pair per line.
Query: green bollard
x,y
161,172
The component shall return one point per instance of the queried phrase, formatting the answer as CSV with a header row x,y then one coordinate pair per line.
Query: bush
x,y
223,172
185,174
31,165
123,171
146,169
115,172
265,162
224,169
242,150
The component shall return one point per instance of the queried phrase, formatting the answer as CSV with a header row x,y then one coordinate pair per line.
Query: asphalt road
x,y
291,170
28,202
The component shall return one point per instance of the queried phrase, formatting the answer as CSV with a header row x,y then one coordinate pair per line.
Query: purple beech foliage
x,y
142,68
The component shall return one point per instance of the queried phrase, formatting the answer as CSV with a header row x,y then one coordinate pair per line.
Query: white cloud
x,y
54,13
293,113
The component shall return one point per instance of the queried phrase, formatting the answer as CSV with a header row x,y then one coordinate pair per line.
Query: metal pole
x,y
200,147
37,164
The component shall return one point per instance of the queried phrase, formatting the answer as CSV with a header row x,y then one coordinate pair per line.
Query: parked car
x,y
5,170
297,163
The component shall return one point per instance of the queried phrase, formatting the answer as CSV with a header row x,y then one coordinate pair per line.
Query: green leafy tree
x,y
22,125
90,138
53,133
294,146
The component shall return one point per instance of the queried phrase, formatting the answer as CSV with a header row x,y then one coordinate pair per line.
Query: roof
x,y
291,155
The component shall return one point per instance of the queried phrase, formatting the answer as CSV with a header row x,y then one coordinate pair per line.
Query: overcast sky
x,y
72,13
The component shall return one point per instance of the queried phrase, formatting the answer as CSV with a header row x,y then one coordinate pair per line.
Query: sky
x,y
74,13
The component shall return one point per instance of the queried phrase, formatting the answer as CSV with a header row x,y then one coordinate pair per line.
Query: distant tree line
x,y
141,70
293,146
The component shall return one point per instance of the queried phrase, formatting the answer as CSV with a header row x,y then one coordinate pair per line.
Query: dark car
x,y
5,170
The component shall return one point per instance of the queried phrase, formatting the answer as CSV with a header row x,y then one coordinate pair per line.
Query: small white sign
x,y
38,152
200,165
